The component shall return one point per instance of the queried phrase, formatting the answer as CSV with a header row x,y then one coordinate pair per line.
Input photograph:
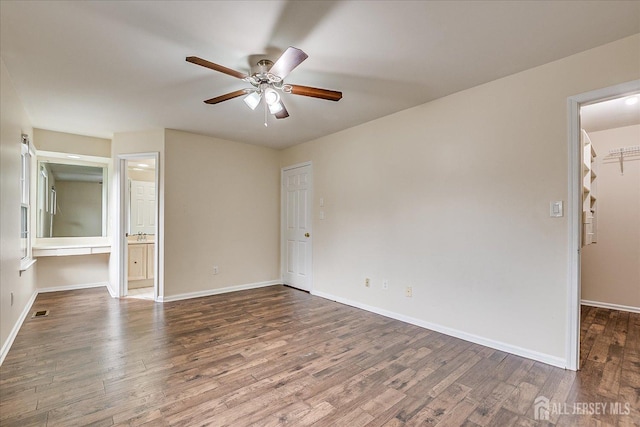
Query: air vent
x,y
40,313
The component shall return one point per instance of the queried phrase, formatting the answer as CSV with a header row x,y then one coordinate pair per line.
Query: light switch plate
x,y
555,209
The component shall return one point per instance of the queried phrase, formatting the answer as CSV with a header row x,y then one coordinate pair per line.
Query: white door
x,y
296,227
143,207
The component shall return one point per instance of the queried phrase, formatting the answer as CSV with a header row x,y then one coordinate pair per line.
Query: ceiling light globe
x,y
252,100
275,108
631,100
271,97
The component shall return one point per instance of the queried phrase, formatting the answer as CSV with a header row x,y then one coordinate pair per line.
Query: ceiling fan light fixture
x,y
275,108
252,100
271,96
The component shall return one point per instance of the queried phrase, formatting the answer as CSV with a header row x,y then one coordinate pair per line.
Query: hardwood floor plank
x,y
521,398
277,356
184,411
139,417
30,419
383,402
458,415
286,416
438,408
318,412
489,406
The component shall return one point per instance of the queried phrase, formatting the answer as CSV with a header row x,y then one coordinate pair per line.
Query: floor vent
x,y
40,313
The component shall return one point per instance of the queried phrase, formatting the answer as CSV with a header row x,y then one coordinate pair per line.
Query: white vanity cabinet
x,y
141,261
150,259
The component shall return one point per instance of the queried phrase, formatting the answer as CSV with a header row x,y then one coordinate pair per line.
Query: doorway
x,y
139,231
583,216
296,224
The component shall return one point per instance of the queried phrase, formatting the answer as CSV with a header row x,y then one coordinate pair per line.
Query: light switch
x,y
321,215
321,201
555,209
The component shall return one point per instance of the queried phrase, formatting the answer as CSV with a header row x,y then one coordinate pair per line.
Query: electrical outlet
x,y
215,269
385,285
367,282
408,292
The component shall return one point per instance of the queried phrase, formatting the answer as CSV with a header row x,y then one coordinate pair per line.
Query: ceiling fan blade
x,y
290,59
215,67
283,113
227,96
331,95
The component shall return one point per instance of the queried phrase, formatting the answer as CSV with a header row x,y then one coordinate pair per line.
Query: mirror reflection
x,y
71,200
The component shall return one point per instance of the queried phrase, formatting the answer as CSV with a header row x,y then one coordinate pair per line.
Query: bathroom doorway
x,y
139,226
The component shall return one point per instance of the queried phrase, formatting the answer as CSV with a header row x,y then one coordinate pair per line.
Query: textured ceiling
x,y
97,68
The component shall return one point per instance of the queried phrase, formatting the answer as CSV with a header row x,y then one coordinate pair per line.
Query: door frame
x,y
122,221
572,350
283,220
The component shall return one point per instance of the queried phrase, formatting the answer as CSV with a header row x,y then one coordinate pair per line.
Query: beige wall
x,y
61,142
222,208
145,175
452,197
13,123
76,270
611,267
219,205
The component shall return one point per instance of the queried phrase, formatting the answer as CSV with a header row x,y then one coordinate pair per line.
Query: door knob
x,y
307,235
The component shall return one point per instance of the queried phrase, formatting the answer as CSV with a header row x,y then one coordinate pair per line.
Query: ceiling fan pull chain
x,y
266,116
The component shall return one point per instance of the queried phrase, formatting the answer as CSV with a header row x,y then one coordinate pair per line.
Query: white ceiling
x,y
96,68
610,114
66,172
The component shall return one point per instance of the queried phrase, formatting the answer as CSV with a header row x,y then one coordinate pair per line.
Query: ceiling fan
x,y
267,79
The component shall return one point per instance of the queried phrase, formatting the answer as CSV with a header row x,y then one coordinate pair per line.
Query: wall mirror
x,y
71,195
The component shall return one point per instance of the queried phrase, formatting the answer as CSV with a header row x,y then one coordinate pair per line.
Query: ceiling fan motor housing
x,y
262,67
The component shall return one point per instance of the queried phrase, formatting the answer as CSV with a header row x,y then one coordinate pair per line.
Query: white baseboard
x,y
611,306
224,290
498,345
16,328
74,287
111,291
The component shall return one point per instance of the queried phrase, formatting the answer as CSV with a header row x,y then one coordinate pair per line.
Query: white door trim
x,y
282,218
121,223
572,349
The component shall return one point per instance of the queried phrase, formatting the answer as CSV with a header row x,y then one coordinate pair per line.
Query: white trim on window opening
x,y
26,152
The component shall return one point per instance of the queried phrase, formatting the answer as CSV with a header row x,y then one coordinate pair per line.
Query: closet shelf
x,y
589,184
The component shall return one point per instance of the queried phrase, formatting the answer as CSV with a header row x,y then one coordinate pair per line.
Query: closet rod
x,y
621,153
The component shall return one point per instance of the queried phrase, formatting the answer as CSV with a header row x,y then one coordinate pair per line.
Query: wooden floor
x,y
277,356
